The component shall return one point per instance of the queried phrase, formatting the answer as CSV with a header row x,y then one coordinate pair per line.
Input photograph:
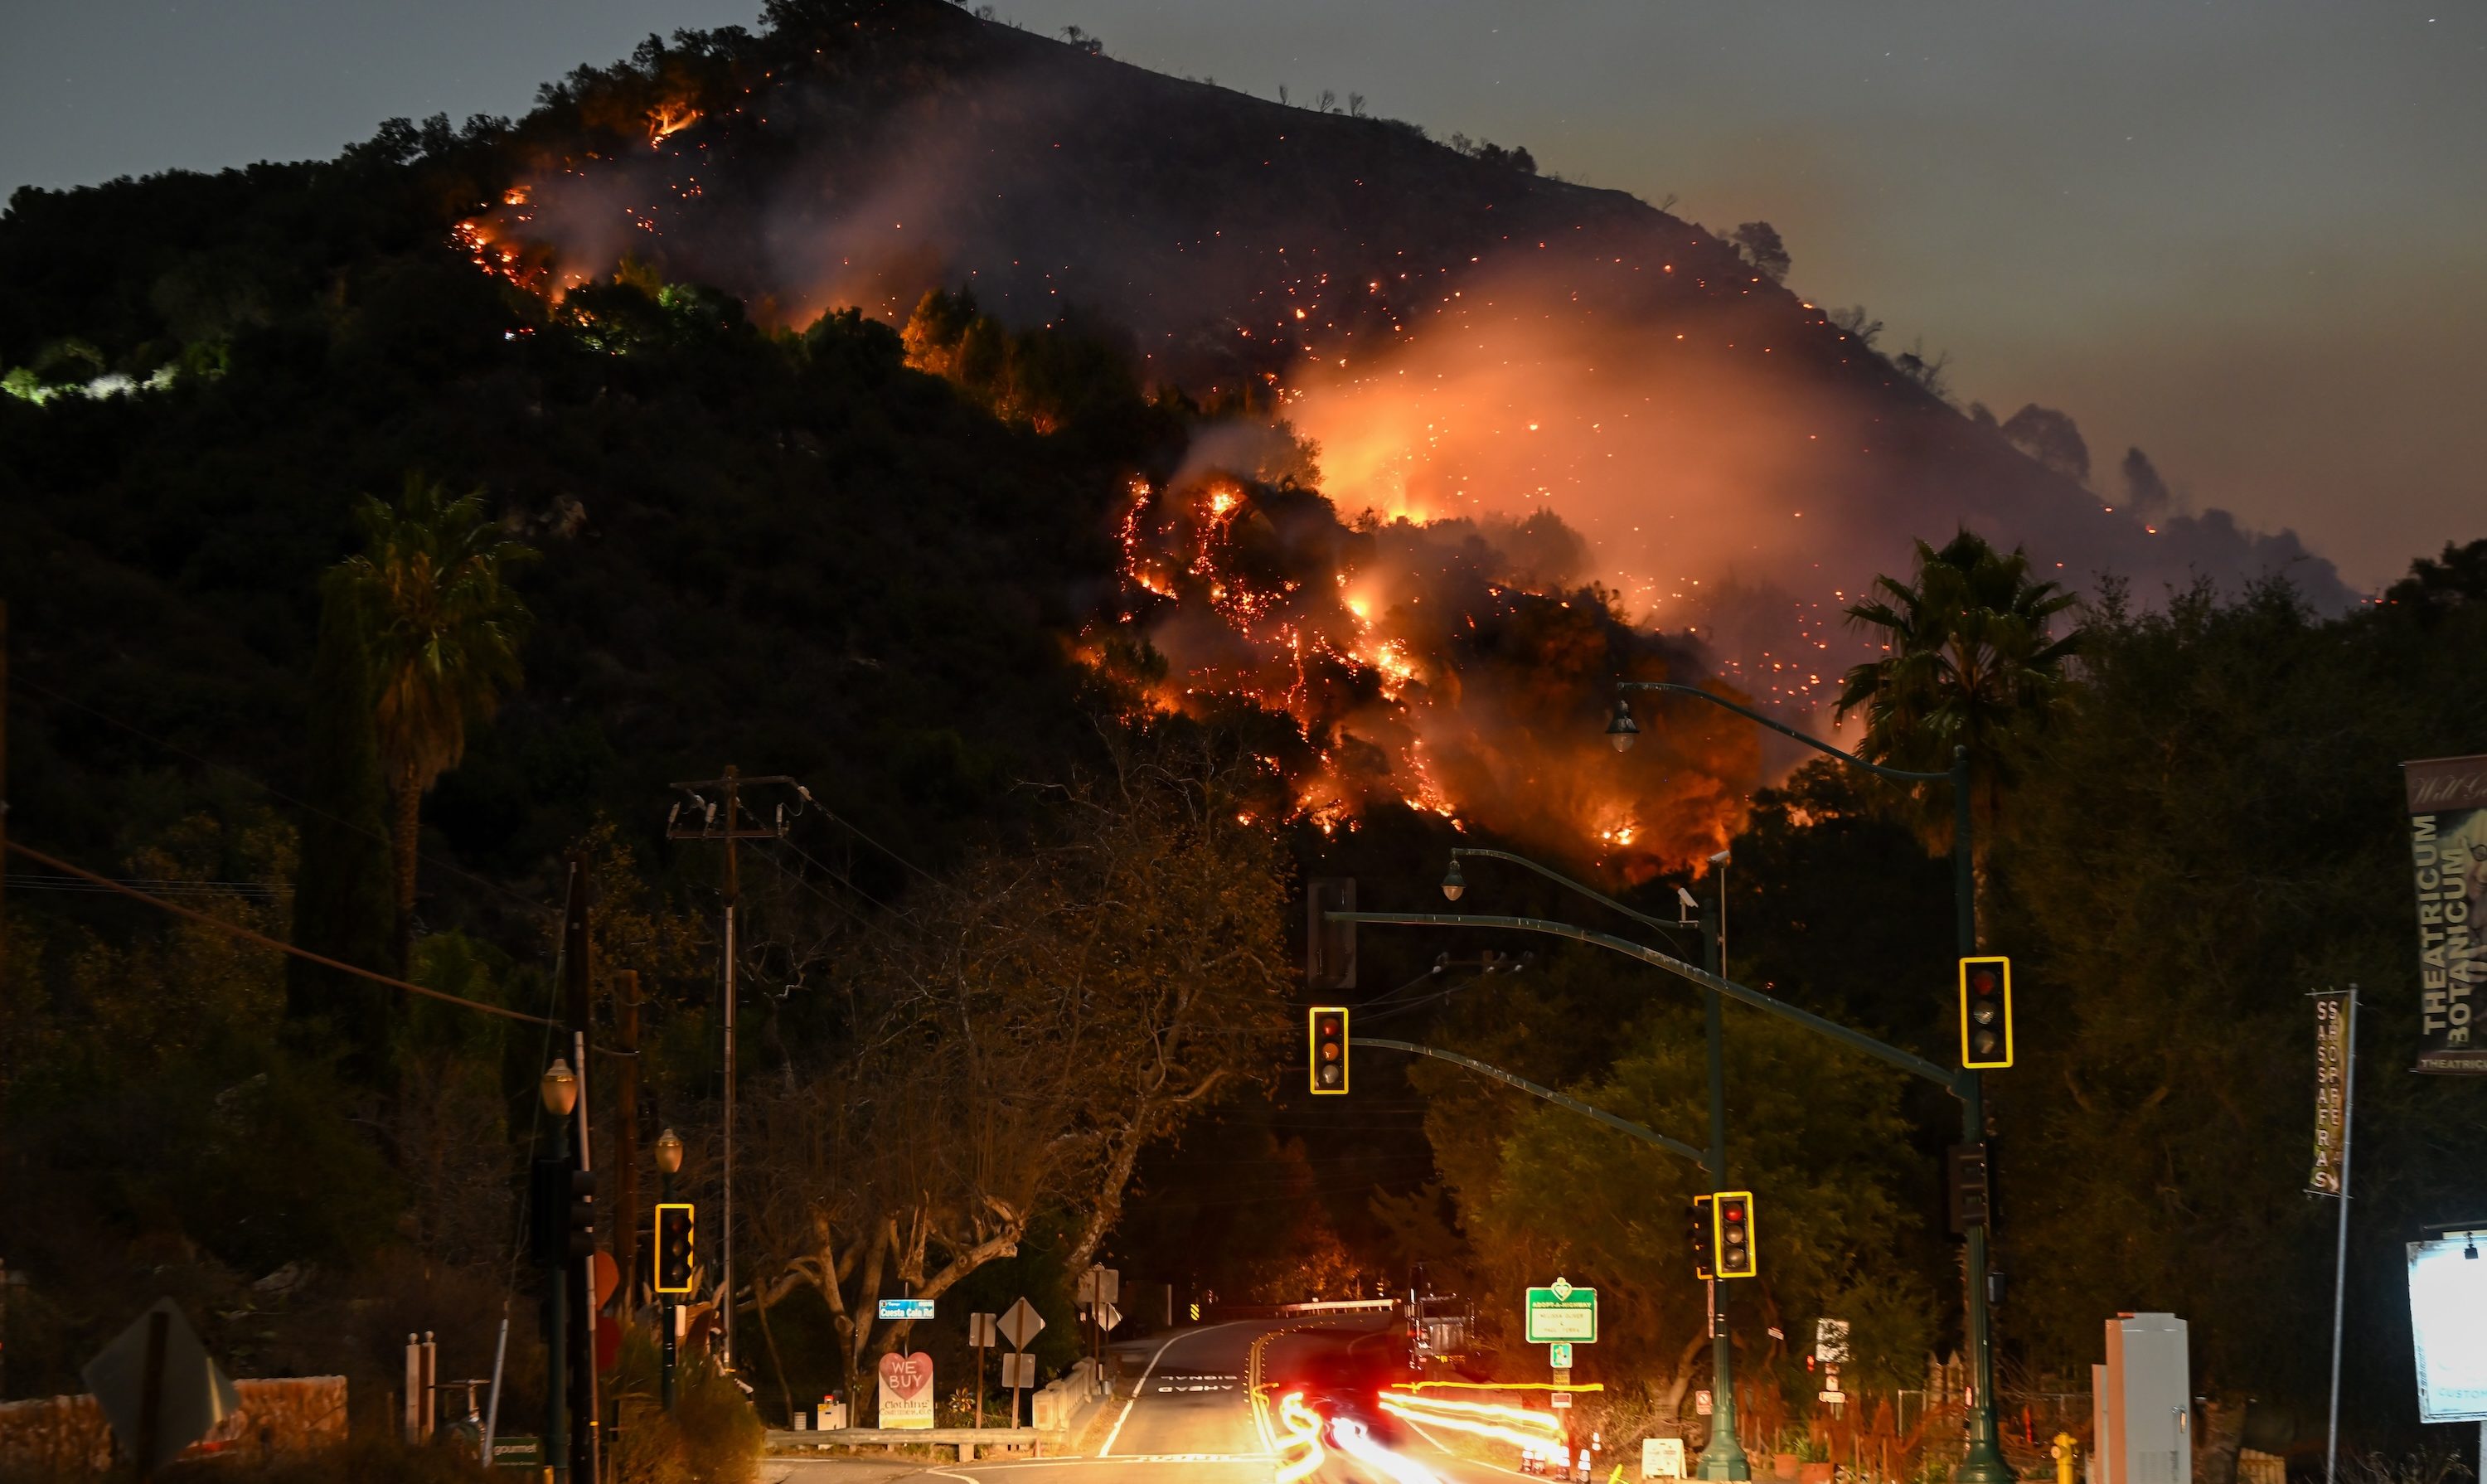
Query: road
x,y
1186,1413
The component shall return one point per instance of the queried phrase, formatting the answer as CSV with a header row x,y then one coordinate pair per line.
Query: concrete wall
x,y
277,1418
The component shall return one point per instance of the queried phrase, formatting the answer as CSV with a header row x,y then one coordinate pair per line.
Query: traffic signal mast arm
x,y
1480,852
1646,1135
1955,1082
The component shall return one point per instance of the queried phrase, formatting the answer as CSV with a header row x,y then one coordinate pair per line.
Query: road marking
x,y
1445,1451
1107,1451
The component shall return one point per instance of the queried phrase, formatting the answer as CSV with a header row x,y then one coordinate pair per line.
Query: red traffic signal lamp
x,y
1326,1028
1731,1231
1986,1012
675,1241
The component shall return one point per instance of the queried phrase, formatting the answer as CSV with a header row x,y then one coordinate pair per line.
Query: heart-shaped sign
x,y
906,1376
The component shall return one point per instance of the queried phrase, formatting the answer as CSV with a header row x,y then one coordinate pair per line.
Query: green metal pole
x,y
557,1278
1983,1462
1723,1458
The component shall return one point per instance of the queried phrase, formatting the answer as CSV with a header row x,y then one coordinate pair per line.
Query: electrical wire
x,y
20,682
236,929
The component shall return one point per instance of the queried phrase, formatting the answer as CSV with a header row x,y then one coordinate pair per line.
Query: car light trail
x,y
1359,1444
1303,1432
1515,1425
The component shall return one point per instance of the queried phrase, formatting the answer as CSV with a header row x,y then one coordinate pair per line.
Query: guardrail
x,y
967,1439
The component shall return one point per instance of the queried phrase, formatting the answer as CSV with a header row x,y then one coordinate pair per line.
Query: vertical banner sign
x,y
2331,1092
2447,810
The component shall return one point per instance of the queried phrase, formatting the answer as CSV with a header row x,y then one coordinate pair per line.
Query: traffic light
x,y
1986,1012
1731,1215
674,1243
1328,1028
1697,1235
561,1212
1971,1189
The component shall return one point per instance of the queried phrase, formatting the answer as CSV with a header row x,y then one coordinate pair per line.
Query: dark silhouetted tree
x,y
2145,494
1970,663
1760,245
2052,438
343,905
443,630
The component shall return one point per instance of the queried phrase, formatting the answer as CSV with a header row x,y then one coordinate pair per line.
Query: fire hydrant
x,y
2063,1451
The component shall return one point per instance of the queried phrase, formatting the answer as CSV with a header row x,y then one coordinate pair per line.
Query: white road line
x,y
1107,1451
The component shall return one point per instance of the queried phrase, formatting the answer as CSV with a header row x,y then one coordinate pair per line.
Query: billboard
x,y
2447,1283
2448,836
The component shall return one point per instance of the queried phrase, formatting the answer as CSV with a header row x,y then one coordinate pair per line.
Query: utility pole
x,y
729,830
628,1252
579,970
1724,1456
4,797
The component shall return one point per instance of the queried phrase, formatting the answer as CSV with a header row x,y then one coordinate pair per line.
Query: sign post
x,y
981,1335
2336,1096
1018,1323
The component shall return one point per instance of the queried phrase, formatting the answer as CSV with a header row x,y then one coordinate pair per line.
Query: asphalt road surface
x,y
1185,1411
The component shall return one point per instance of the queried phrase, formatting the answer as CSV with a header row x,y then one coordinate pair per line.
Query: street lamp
x,y
559,1088
1983,1460
1623,729
1454,885
669,1162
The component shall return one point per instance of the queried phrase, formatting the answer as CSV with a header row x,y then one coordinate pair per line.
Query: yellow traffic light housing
x,y
1731,1234
1986,1012
1325,1027
675,1256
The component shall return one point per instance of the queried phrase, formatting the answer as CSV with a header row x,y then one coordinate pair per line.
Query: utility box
x,y
2143,1402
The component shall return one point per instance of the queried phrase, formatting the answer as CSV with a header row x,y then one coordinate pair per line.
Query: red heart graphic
x,y
906,1376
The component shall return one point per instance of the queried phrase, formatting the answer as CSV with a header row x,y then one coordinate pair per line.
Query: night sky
x,y
2250,237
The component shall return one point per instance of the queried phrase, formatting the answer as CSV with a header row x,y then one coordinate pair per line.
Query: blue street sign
x,y
906,1308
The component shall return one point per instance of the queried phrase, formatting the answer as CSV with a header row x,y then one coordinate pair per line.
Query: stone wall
x,y
68,1434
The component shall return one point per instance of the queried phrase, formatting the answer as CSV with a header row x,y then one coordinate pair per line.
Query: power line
x,y
236,929
270,790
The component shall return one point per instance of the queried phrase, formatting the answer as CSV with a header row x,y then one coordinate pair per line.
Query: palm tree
x,y
1968,662
444,631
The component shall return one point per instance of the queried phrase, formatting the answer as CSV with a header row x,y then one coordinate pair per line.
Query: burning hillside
x,y
1473,346
1451,665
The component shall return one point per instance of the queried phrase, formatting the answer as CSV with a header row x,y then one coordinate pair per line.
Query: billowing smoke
x,y
1472,348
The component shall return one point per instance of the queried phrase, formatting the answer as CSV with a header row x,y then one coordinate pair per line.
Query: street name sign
x,y
906,1308
1559,1312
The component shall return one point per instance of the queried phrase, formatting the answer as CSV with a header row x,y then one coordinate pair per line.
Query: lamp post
x,y
1982,1463
669,1162
559,1088
1724,1456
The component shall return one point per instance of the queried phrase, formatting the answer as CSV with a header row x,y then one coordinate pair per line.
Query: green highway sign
x,y
1560,1312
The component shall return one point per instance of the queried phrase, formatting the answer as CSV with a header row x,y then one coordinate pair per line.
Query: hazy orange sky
x,y
2248,237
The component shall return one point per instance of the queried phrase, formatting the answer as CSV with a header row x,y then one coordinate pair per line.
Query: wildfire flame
x,y
666,120
1418,669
